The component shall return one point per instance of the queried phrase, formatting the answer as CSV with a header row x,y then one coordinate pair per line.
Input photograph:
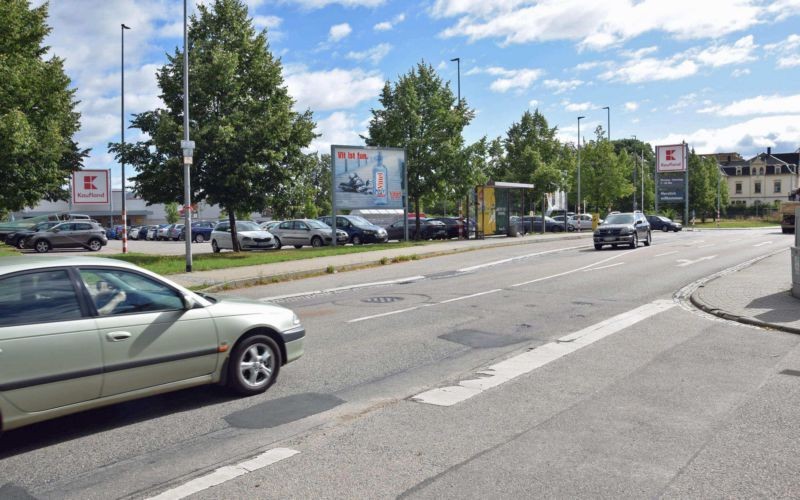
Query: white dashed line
x,y
665,254
341,288
764,243
568,272
521,364
226,473
383,314
603,267
511,259
470,296
706,246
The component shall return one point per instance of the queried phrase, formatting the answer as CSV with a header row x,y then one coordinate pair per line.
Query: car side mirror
x,y
188,302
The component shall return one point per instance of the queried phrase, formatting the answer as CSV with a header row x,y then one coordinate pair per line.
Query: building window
x,y
738,188
777,172
757,188
738,170
777,186
761,171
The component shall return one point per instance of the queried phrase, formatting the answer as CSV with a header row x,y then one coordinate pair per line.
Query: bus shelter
x,y
500,207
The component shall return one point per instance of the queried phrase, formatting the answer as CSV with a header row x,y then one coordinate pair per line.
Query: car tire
x,y
42,246
20,244
214,246
635,240
648,240
665,229
298,246
278,243
95,245
598,247
199,239
316,242
356,239
254,365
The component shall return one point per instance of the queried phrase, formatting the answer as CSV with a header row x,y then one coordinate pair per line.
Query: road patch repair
x,y
526,362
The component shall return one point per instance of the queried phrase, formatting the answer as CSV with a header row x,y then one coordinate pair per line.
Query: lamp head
x,y
581,117
455,59
125,27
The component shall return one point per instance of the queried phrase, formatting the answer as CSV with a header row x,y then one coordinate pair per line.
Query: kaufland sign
x,y
91,187
671,158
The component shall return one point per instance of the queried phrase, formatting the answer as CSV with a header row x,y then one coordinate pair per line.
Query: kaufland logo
x,y
670,155
88,183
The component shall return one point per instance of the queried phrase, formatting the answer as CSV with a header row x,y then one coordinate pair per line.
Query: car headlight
x,y
295,319
626,230
369,231
247,238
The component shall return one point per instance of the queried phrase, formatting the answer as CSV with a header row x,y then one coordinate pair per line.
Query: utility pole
x,y
122,131
188,147
579,173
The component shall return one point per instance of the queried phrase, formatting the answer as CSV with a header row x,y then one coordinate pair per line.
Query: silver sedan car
x,y
81,332
300,232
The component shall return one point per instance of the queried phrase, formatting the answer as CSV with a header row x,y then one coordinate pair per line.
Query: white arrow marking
x,y
687,262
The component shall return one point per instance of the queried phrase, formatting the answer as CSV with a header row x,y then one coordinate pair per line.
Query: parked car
x,y
157,336
300,232
359,229
267,226
249,235
579,222
17,239
152,231
429,229
663,223
550,225
454,225
163,231
523,224
90,235
626,228
134,233
175,232
201,231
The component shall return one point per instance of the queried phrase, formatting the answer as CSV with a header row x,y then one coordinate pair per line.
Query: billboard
x,y
91,187
671,189
366,177
671,158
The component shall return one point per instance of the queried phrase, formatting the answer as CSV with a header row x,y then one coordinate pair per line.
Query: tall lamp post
x,y
465,224
122,133
188,147
634,182
608,121
579,171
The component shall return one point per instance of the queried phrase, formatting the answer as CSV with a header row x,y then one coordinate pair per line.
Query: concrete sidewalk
x,y
758,294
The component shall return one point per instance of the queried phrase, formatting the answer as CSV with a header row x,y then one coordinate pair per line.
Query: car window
x,y
300,225
39,297
285,225
247,226
223,226
83,227
116,291
317,224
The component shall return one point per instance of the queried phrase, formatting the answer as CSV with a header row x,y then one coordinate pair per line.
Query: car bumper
x,y
294,340
374,238
613,239
257,246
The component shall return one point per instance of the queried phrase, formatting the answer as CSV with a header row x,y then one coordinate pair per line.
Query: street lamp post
x,y
188,147
465,223
634,183
579,172
608,121
122,133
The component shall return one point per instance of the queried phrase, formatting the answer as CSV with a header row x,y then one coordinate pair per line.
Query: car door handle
x,y
118,336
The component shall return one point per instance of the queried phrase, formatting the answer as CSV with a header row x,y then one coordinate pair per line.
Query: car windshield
x,y
317,224
247,226
359,221
619,219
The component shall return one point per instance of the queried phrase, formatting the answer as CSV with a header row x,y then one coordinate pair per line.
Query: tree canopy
x,y
37,112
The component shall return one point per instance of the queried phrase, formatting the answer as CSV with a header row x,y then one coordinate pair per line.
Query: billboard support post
x,y
333,195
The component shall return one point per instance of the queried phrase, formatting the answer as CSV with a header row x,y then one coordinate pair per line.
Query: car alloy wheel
x,y
356,240
20,243
199,238
214,246
254,365
316,242
648,240
635,240
278,243
42,246
665,228
95,245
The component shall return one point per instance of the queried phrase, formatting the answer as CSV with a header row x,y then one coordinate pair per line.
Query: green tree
x,y
529,144
171,211
703,181
644,160
420,114
249,141
605,175
37,112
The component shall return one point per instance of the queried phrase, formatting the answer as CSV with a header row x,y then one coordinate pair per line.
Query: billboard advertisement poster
x,y
91,187
671,189
367,177
671,158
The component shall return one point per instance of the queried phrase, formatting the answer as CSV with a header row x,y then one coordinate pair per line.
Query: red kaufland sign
x,y
671,158
91,187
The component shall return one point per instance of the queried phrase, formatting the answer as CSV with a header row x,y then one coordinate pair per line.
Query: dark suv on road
x,y
359,229
623,228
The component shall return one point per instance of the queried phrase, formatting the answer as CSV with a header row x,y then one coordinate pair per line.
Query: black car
x,y
359,229
623,228
429,229
663,223
455,226
17,238
534,223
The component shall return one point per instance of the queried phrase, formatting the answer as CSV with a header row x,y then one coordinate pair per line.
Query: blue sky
x,y
719,74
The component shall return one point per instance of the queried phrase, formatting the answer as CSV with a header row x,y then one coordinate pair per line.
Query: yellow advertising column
x,y
595,221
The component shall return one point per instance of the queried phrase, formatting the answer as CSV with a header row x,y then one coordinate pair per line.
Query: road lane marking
x,y
341,288
603,267
764,243
511,259
526,362
568,272
668,253
226,473
364,318
470,296
687,262
706,246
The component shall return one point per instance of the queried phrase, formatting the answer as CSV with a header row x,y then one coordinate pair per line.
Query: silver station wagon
x,y
83,332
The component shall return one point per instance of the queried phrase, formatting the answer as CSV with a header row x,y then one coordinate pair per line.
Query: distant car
x,y
267,226
550,224
163,231
429,229
89,235
17,238
201,231
249,235
579,222
359,229
175,231
626,228
79,332
455,226
152,232
663,223
300,232
523,224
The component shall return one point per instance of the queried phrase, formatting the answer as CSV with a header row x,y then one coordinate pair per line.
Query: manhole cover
x,y
382,300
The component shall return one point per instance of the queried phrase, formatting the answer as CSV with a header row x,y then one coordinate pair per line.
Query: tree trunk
x,y
234,237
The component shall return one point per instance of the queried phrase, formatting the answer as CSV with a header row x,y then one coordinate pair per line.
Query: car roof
x,y
31,262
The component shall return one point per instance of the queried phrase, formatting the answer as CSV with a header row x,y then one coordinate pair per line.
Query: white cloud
x,y
389,25
511,79
789,61
748,137
319,4
597,25
269,22
343,89
577,106
631,106
759,105
650,69
721,55
740,72
339,31
561,86
375,54
533,103
787,51
338,128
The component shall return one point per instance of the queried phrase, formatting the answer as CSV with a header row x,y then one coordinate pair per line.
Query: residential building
x,y
766,179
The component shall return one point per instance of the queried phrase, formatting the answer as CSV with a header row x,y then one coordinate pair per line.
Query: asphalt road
x,y
548,370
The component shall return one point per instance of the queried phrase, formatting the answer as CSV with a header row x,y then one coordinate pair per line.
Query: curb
x,y
264,279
